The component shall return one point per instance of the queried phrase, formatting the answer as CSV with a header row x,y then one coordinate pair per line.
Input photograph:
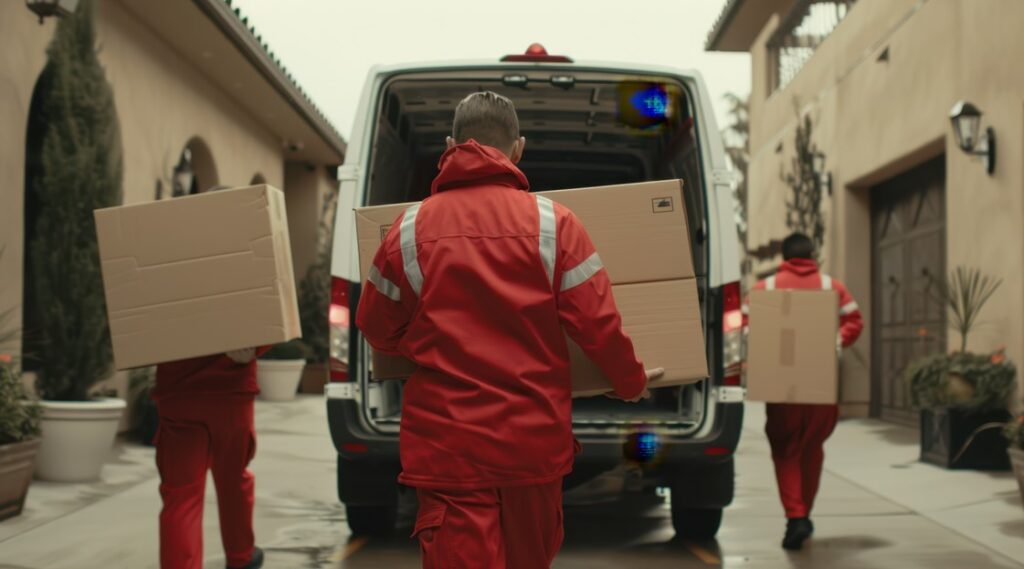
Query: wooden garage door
x,y
909,255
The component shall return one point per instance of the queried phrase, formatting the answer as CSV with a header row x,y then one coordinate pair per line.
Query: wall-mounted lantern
x,y
183,175
46,8
966,120
824,177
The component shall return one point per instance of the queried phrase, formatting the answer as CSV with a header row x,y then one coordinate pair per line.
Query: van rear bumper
x,y
680,462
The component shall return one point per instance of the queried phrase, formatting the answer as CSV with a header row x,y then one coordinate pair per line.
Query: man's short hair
x,y
488,118
797,246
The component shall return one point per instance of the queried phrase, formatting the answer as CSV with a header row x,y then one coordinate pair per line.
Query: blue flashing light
x,y
651,102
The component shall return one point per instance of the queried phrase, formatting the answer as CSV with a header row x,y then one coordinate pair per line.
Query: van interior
x,y
582,129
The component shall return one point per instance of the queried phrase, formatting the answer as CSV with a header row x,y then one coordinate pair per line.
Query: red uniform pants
x,y
502,528
197,435
797,435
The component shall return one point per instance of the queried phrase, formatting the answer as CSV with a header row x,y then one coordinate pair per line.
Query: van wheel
x,y
700,524
371,520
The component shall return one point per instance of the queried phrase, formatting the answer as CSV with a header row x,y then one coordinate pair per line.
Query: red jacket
x,y
475,285
207,376
804,274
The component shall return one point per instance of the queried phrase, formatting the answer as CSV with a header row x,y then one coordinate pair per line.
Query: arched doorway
x,y
30,338
195,170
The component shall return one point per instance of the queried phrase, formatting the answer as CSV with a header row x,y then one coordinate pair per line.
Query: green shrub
x,y
293,350
19,417
80,172
974,382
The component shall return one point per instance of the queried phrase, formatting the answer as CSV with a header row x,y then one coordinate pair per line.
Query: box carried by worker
x,y
197,275
791,350
640,231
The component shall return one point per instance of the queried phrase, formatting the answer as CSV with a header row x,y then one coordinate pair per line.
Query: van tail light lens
x,y
339,318
732,334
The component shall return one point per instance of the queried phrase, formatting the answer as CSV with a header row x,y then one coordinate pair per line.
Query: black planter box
x,y
944,432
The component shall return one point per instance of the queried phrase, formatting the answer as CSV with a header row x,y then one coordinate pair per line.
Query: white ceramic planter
x,y
76,438
279,379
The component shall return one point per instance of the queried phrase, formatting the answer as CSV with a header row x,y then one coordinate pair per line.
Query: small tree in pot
x,y
963,395
80,172
280,370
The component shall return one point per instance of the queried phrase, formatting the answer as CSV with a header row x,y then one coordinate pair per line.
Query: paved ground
x,y
879,509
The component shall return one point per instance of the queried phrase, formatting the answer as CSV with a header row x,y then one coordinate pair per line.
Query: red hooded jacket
x,y
475,285
804,274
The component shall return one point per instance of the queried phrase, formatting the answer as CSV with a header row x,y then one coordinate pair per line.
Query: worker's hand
x,y
654,373
644,395
651,374
242,356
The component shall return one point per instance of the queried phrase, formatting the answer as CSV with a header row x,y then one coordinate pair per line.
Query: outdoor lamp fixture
x,y
183,176
825,178
45,8
966,119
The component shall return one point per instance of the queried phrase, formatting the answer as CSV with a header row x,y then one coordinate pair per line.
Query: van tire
x,y
700,524
372,521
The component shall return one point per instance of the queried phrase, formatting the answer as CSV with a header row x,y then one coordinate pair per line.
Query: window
x,y
800,34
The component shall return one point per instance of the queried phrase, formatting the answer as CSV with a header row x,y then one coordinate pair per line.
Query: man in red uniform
x,y
797,433
206,423
475,285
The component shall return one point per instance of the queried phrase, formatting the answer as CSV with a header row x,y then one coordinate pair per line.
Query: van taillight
x,y
339,320
732,334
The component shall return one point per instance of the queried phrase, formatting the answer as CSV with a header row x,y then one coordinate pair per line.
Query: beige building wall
x,y
307,187
163,102
22,56
876,116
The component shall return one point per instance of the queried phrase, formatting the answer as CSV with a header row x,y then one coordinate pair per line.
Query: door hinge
x,y
731,394
346,390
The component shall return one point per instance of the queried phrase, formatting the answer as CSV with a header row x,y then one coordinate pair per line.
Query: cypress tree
x,y
80,170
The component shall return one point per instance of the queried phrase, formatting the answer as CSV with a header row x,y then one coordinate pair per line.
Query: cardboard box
x,y
197,275
791,350
640,231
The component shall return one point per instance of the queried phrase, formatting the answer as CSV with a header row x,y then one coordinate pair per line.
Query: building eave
x,y
244,37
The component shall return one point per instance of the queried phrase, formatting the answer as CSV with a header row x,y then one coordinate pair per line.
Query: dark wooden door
x,y
909,257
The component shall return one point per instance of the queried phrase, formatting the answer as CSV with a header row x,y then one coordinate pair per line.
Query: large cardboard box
x,y
791,350
640,231
197,275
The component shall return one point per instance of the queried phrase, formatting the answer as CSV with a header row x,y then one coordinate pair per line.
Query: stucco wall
x,y
22,56
876,117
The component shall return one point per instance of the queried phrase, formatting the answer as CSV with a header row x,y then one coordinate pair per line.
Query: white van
x,y
586,124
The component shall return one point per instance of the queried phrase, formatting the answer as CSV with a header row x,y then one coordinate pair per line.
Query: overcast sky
x,y
329,45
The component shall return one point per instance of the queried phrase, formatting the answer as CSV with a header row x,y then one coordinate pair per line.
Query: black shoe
x,y
255,563
797,532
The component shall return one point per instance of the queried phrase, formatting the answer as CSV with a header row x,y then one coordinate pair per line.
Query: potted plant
x,y
314,305
146,420
19,430
1014,431
280,369
963,395
80,171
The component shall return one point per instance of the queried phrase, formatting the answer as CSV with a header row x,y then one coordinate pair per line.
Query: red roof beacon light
x,y
537,54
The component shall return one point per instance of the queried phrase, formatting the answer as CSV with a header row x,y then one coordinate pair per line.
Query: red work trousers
x,y
797,435
197,435
501,528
